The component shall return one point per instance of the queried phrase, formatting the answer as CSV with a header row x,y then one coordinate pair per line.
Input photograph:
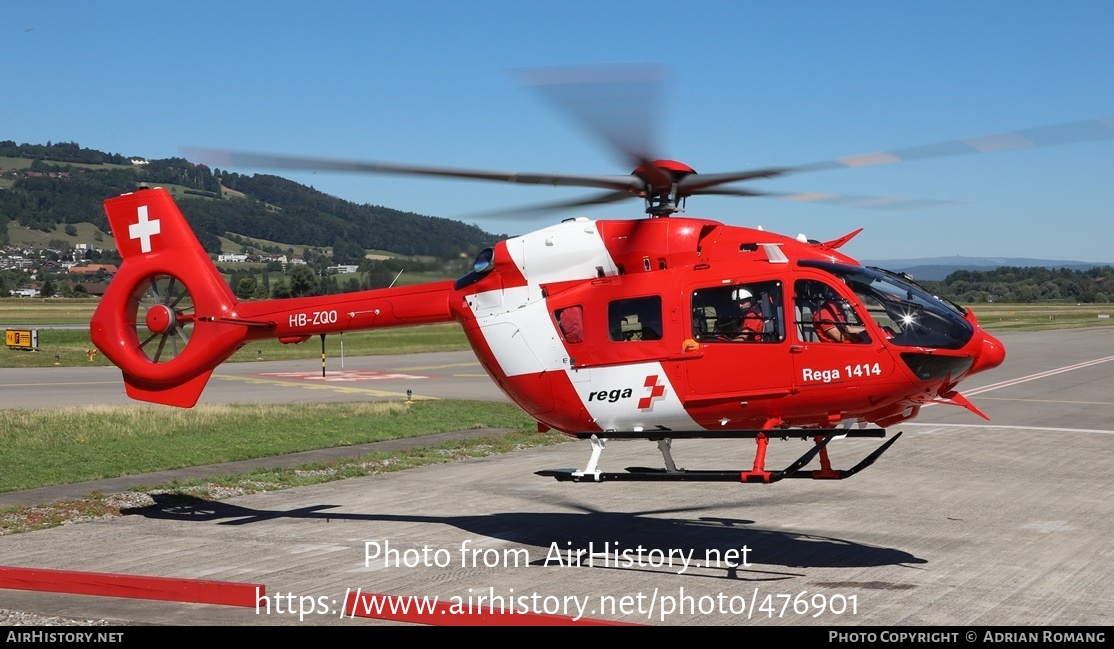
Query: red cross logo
x,y
656,392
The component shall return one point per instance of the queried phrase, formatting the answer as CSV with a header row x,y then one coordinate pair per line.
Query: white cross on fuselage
x,y
143,230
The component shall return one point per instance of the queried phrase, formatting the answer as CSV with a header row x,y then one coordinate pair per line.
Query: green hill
x,y
44,187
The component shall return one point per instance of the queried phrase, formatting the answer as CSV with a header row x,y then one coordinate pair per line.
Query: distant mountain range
x,y
937,268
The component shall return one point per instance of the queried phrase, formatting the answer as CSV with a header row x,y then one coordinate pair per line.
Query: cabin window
x,y
635,319
570,321
751,312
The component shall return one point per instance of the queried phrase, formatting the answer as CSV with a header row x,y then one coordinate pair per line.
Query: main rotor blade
x,y
617,103
527,211
224,158
1089,130
835,200
695,183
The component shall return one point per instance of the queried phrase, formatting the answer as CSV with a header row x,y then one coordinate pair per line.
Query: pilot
x,y
750,315
831,324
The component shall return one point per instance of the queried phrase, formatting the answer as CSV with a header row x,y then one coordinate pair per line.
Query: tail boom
x,y
404,306
164,264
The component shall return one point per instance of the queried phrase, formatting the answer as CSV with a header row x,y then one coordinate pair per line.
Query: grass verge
x,y
69,445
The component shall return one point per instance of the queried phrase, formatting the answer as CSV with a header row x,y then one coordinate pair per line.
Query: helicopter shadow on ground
x,y
550,534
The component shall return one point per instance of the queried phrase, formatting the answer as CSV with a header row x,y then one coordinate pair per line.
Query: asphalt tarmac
x,y
437,375
962,522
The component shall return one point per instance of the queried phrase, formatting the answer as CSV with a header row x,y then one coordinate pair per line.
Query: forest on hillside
x,y
65,184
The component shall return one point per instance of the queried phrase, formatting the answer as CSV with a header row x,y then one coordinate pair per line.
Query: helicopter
x,y
656,328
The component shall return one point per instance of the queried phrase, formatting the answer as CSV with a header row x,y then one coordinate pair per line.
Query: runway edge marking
x,y
197,591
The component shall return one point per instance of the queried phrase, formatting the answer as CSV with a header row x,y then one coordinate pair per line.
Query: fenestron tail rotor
x,y
163,317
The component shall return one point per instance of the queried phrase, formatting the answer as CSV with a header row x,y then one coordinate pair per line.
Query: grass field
x,y
75,444
25,163
19,235
1033,317
71,445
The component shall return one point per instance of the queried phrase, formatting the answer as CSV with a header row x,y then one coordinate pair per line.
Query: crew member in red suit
x,y
572,323
750,316
831,324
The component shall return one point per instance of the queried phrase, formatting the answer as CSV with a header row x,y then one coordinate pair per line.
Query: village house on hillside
x,y
91,270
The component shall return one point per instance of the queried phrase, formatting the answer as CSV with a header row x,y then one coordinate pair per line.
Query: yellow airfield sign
x,y
22,338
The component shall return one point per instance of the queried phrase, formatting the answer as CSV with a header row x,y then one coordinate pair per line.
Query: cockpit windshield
x,y
905,312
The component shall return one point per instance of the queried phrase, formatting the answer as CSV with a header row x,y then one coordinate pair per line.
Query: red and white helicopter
x,y
659,328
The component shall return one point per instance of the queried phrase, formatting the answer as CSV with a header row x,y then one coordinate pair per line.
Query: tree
x,y
47,289
346,251
245,288
281,290
303,282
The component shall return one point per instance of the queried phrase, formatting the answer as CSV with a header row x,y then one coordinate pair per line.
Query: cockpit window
x,y
824,316
903,311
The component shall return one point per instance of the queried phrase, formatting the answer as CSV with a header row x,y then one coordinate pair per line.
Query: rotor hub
x,y
161,319
661,178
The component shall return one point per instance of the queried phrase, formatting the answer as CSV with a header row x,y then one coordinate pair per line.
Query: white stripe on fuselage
x,y
618,397
516,322
523,337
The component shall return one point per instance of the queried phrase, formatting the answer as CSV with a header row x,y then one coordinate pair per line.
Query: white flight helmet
x,y
741,294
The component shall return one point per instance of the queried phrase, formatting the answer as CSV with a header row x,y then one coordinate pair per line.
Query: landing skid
x,y
758,474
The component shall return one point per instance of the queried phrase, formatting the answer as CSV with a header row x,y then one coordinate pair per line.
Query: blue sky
x,y
750,84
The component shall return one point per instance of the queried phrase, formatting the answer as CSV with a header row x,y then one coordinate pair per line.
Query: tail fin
x,y
164,318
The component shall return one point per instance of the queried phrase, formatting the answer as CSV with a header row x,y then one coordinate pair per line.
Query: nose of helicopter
x,y
988,355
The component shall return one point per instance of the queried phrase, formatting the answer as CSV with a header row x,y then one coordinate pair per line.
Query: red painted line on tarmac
x,y
198,591
435,612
